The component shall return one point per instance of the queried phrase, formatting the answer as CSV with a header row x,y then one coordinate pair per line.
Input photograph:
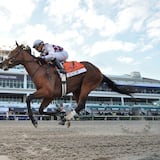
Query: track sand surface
x,y
84,140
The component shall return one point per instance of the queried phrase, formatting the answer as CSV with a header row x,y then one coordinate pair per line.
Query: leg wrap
x,y
71,115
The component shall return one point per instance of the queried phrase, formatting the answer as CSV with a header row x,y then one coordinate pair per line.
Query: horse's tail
x,y
115,88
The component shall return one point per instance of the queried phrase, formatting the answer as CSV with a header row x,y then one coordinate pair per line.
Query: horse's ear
x,y
17,44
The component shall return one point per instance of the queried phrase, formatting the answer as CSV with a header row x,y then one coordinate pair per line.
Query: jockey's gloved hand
x,y
41,60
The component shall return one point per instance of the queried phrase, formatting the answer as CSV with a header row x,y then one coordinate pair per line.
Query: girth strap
x,y
64,86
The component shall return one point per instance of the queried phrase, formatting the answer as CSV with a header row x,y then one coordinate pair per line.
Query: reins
x,y
13,60
19,61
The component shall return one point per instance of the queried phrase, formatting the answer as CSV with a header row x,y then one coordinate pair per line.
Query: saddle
x,y
73,68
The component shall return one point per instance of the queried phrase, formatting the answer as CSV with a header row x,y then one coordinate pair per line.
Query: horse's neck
x,y
37,72
30,64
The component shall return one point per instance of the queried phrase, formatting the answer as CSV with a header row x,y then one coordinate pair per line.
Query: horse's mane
x,y
27,49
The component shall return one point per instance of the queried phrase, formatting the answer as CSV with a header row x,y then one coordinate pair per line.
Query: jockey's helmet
x,y
37,42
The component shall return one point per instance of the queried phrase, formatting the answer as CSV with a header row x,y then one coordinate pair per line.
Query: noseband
x,y
12,60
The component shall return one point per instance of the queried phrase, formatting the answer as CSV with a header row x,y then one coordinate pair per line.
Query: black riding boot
x,y
59,66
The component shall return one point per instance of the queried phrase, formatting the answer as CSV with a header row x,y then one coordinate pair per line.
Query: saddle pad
x,y
74,68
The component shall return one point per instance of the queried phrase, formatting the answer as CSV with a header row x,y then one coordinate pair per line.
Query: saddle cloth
x,y
74,68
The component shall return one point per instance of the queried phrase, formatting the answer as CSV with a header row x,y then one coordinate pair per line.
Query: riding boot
x,y
59,66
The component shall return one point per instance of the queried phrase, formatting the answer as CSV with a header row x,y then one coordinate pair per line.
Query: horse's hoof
x,y
62,122
35,124
68,123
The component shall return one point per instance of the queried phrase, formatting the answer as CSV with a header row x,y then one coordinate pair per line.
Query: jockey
x,y
51,53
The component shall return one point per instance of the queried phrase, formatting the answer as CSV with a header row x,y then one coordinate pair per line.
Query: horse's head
x,y
15,57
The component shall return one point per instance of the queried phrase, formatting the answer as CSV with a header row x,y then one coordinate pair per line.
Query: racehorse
x,y
48,83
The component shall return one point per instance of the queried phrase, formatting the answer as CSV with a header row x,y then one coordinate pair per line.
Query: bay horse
x,y
48,83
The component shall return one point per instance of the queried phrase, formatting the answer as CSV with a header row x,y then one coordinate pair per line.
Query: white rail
x,y
82,117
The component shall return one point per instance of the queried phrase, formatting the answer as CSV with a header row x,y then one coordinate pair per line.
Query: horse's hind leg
x,y
80,106
81,98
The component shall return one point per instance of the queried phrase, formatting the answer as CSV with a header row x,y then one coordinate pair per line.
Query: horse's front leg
x,y
44,104
30,113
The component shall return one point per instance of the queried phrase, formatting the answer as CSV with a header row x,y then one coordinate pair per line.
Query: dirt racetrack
x,y
84,140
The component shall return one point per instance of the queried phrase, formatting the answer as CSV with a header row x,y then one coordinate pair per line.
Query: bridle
x,y
12,60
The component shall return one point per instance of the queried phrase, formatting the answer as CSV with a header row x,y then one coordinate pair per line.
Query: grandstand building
x,y
15,85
